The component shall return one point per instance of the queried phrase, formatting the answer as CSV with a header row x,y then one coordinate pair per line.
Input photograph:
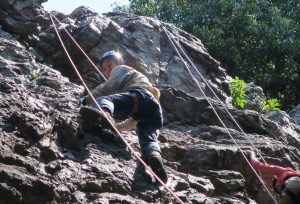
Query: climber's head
x,y
290,193
110,60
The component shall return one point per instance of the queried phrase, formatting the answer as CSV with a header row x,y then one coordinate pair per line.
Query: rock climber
x,y
286,181
127,93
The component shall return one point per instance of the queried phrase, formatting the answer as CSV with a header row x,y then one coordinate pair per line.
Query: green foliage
x,y
271,105
34,75
256,40
238,93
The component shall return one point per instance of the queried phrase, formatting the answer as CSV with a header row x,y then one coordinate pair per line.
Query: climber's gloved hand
x,y
83,101
126,125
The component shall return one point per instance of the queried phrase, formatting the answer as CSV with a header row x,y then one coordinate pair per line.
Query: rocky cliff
x,y
46,158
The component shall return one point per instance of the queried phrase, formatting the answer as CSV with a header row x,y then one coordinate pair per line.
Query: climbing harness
x,y
100,109
174,43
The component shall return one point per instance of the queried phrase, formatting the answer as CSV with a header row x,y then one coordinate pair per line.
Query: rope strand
x,y
214,93
294,154
217,115
79,47
118,133
110,122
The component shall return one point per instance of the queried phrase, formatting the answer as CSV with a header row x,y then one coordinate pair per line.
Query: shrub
x,y
271,105
238,93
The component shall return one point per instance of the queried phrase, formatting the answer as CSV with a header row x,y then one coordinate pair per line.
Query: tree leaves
x,y
271,105
256,40
238,93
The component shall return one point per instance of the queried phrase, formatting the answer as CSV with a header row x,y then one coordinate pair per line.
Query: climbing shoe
x,y
155,162
92,119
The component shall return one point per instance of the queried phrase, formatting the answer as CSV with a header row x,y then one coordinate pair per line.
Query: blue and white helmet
x,y
111,53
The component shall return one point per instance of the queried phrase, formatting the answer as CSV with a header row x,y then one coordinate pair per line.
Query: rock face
x,y
295,114
255,97
46,158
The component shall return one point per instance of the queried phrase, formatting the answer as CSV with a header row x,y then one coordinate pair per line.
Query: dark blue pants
x,y
148,115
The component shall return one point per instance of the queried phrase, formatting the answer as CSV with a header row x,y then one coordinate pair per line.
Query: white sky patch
x,y
67,6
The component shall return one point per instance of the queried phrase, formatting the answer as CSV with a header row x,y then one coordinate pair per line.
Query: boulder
x,y
255,97
287,125
295,114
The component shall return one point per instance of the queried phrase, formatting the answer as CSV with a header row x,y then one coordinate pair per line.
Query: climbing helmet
x,y
111,53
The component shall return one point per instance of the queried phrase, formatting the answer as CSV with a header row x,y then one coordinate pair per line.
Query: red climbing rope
x,y
100,109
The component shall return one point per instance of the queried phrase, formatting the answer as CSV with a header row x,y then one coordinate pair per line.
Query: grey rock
x,y
42,157
287,125
255,97
4,34
227,181
18,16
67,132
9,194
295,114
143,44
29,126
17,182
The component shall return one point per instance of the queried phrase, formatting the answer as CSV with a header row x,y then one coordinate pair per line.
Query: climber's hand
x,y
126,125
249,154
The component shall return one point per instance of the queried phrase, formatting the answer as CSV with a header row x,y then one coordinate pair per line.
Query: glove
x,y
126,125
83,101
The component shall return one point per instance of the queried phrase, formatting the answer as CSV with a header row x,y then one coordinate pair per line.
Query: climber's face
x,y
108,65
